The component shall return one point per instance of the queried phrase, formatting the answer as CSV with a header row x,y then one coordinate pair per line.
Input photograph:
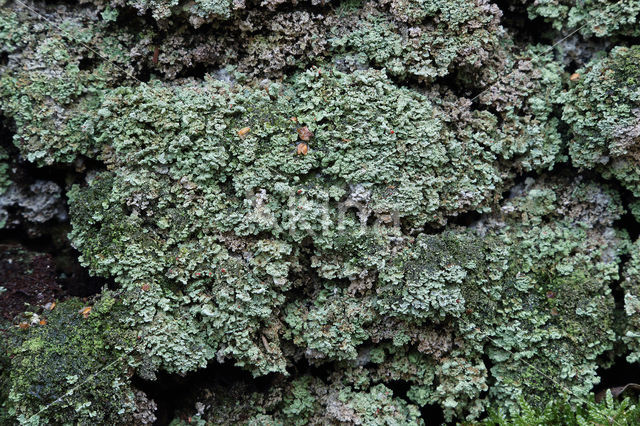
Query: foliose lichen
x,y
367,207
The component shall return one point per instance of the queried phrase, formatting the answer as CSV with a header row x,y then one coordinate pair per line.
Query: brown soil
x,y
28,277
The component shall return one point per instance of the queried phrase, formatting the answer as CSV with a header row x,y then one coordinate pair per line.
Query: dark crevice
x,y
619,374
74,279
87,63
321,370
174,393
616,288
197,71
524,30
49,237
428,229
400,388
432,414
465,219
491,380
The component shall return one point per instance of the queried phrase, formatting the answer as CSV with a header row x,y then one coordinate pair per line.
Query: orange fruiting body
x,y
575,76
85,311
243,132
302,148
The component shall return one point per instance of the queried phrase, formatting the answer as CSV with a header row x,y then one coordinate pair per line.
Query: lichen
x,y
603,109
631,287
597,18
370,209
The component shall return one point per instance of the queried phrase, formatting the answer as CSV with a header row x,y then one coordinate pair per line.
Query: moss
x,y
557,411
67,365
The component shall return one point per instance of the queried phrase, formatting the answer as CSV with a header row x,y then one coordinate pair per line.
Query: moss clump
x,y
67,363
625,412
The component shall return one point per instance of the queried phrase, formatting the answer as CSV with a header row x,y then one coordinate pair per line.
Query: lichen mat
x,y
319,212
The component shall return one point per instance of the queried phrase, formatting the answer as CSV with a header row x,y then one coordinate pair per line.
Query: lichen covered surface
x,y
369,212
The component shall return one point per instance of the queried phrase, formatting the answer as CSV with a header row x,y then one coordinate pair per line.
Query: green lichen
x,y
458,34
360,207
5,178
603,110
213,220
631,286
49,99
598,18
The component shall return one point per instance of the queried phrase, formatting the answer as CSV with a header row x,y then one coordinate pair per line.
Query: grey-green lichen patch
x,y
188,135
189,202
45,88
5,178
31,206
424,39
412,40
291,210
555,299
631,286
529,287
525,94
304,400
211,225
603,110
198,11
597,18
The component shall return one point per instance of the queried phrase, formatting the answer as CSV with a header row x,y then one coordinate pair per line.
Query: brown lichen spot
x,y
302,148
145,287
305,134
